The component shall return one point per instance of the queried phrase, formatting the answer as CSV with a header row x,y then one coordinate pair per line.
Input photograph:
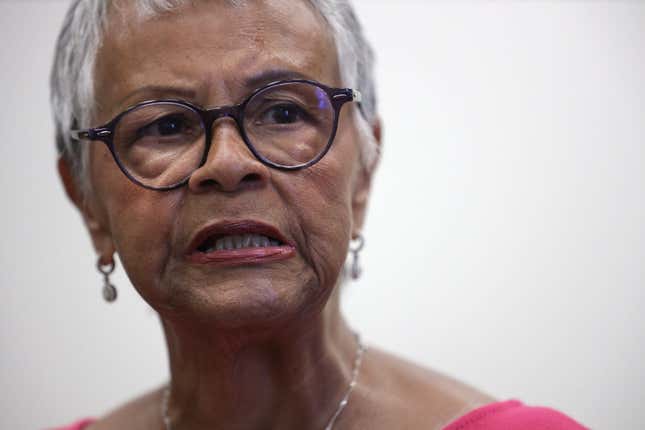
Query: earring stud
x,y
356,269
109,290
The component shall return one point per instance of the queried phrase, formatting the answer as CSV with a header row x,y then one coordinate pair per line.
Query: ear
x,y
98,229
364,183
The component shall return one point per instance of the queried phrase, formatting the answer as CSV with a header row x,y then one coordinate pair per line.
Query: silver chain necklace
x,y
341,405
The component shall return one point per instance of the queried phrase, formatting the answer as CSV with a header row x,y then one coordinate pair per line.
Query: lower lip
x,y
244,256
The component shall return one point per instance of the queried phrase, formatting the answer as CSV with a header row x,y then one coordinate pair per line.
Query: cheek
x,y
142,231
322,197
140,222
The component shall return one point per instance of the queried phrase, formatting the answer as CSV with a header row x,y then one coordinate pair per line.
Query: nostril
x,y
252,177
208,183
250,180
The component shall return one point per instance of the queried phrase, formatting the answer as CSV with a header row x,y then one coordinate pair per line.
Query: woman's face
x,y
215,54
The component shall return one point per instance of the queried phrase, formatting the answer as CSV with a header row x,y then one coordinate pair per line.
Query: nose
x,y
230,166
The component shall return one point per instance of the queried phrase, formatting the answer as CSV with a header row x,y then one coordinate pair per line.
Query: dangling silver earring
x,y
109,290
356,269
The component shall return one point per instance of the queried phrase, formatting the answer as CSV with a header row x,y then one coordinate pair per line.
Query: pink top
x,y
509,415
79,425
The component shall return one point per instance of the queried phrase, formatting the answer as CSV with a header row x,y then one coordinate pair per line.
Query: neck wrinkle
x,y
288,377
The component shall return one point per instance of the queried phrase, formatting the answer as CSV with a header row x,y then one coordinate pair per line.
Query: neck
x,y
287,377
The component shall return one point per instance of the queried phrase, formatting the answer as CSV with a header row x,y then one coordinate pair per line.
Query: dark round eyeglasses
x,y
287,125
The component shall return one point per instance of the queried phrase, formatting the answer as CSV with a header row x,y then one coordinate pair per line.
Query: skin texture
x,y
256,346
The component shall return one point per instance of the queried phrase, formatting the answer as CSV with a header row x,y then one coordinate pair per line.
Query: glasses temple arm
x,y
79,134
91,134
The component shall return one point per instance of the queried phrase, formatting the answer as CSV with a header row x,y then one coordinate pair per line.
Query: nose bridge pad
x,y
222,112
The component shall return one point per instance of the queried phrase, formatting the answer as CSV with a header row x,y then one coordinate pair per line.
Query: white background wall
x,y
505,241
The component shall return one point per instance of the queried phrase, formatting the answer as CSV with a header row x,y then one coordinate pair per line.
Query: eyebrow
x,y
161,91
252,82
267,76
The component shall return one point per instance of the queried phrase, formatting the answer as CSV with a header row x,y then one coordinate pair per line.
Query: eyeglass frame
x,y
105,133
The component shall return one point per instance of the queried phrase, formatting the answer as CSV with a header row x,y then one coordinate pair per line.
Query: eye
x,y
284,113
168,126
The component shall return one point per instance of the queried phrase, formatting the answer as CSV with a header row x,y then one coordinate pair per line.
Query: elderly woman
x,y
225,151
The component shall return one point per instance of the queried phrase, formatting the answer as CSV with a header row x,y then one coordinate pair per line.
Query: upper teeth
x,y
243,241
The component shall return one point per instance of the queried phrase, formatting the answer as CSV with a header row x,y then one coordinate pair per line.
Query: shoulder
x,y
513,414
140,413
421,397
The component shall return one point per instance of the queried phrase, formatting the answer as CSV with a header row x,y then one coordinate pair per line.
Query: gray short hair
x,y
72,76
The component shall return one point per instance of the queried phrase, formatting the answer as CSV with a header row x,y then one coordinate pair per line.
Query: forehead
x,y
209,51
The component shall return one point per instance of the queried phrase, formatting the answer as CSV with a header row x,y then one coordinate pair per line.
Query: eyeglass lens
x,y
161,144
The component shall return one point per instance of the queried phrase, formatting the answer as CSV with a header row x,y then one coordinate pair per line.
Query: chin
x,y
245,298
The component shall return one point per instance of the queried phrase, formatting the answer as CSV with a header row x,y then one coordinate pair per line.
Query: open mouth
x,y
231,242
239,242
